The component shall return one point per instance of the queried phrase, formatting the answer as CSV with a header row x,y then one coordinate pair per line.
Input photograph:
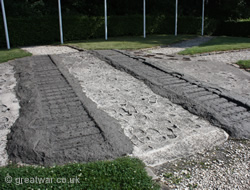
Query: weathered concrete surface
x,y
9,107
55,126
49,50
224,109
159,129
216,68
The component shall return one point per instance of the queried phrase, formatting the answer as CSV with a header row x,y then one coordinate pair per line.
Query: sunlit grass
x,y
219,44
122,173
135,42
244,64
6,55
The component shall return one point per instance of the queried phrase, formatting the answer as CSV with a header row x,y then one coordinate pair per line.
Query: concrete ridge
x,y
222,108
56,126
244,101
108,125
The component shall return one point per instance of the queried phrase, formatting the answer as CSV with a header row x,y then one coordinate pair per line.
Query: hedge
x,y
45,30
233,28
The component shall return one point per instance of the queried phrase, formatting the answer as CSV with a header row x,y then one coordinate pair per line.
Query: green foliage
x,y
228,9
6,55
45,30
244,64
123,173
219,44
234,28
217,9
171,178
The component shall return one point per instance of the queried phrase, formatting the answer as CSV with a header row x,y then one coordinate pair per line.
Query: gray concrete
x,y
55,126
227,110
217,68
160,130
212,69
9,107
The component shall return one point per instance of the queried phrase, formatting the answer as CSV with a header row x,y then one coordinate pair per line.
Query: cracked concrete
x,y
159,129
9,107
55,125
222,108
215,69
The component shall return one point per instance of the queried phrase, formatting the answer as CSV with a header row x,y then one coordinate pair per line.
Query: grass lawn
x,y
123,173
245,64
6,55
135,42
219,44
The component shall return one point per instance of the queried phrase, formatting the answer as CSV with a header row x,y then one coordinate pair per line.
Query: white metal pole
x,y
5,25
203,17
144,18
176,17
106,20
60,20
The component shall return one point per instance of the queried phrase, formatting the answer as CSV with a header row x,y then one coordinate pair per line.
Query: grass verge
x,y
219,44
244,64
123,173
6,55
134,42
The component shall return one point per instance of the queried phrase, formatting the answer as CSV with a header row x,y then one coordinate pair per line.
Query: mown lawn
x,y
219,44
6,55
244,64
123,173
134,42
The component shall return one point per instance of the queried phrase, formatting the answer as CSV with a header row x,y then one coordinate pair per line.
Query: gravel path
x,y
224,167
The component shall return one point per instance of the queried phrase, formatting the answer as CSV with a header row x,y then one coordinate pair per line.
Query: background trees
x,y
218,9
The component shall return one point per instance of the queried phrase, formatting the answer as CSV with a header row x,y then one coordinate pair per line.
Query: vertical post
x,y
5,25
144,18
203,17
106,20
176,17
60,20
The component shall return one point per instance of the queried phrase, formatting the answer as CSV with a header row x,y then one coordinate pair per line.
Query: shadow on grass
x,y
224,40
134,42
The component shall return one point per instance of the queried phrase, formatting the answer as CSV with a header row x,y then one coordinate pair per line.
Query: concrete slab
x,y
9,107
159,129
55,125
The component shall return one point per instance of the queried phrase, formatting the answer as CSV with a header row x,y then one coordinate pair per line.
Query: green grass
x,y
123,173
219,44
6,55
134,42
244,64
173,179
244,20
